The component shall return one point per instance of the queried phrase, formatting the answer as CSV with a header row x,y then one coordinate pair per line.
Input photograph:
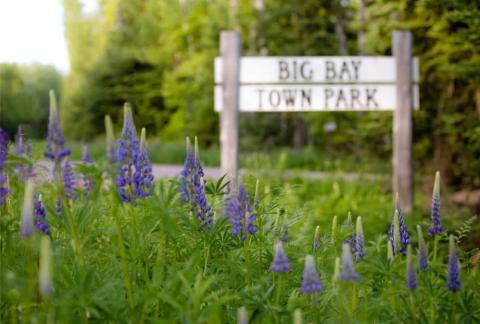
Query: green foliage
x,y
150,262
24,96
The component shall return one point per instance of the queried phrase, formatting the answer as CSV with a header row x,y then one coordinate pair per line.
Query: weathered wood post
x,y
402,119
230,52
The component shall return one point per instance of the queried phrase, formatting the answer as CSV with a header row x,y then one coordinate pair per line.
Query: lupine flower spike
x,y
347,271
3,158
395,234
40,216
45,283
68,178
88,182
192,186
436,228
411,273
110,139
359,241
311,283
23,149
336,270
334,229
27,228
422,250
242,315
316,238
256,199
237,208
404,235
280,261
351,232
55,140
128,148
453,268
143,175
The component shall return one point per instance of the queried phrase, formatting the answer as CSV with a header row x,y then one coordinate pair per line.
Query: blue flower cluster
x,y
347,271
55,140
237,208
68,178
453,283
192,187
436,228
359,241
40,216
88,182
311,282
411,273
23,149
127,150
404,235
3,158
143,175
280,261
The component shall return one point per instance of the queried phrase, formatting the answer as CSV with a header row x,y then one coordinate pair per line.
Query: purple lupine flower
x,y
316,238
110,139
394,232
404,235
280,261
359,241
256,199
55,140
143,175
436,228
311,282
23,148
411,273
39,217
68,178
422,251
348,226
128,149
88,182
27,229
237,208
453,268
192,186
347,271
3,158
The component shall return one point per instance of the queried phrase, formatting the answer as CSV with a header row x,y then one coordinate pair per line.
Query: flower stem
x,y
123,256
435,247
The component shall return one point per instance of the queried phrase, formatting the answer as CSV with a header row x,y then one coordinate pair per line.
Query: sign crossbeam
x,y
320,83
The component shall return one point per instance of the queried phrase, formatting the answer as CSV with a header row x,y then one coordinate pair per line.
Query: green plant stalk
x,y
413,306
353,304
78,248
246,253
206,249
278,295
435,247
123,255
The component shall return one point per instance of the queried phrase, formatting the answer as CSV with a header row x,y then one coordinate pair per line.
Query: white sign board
x,y
336,83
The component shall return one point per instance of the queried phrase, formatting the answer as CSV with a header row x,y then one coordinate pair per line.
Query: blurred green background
x,y
158,54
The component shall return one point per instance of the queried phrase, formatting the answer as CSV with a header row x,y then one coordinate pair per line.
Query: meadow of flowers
x,y
101,241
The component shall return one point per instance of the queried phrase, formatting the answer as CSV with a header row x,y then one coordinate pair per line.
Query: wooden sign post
x,y
402,120
230,49
319,83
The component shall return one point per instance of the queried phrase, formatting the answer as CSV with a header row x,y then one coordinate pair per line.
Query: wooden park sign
x,y
320,83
